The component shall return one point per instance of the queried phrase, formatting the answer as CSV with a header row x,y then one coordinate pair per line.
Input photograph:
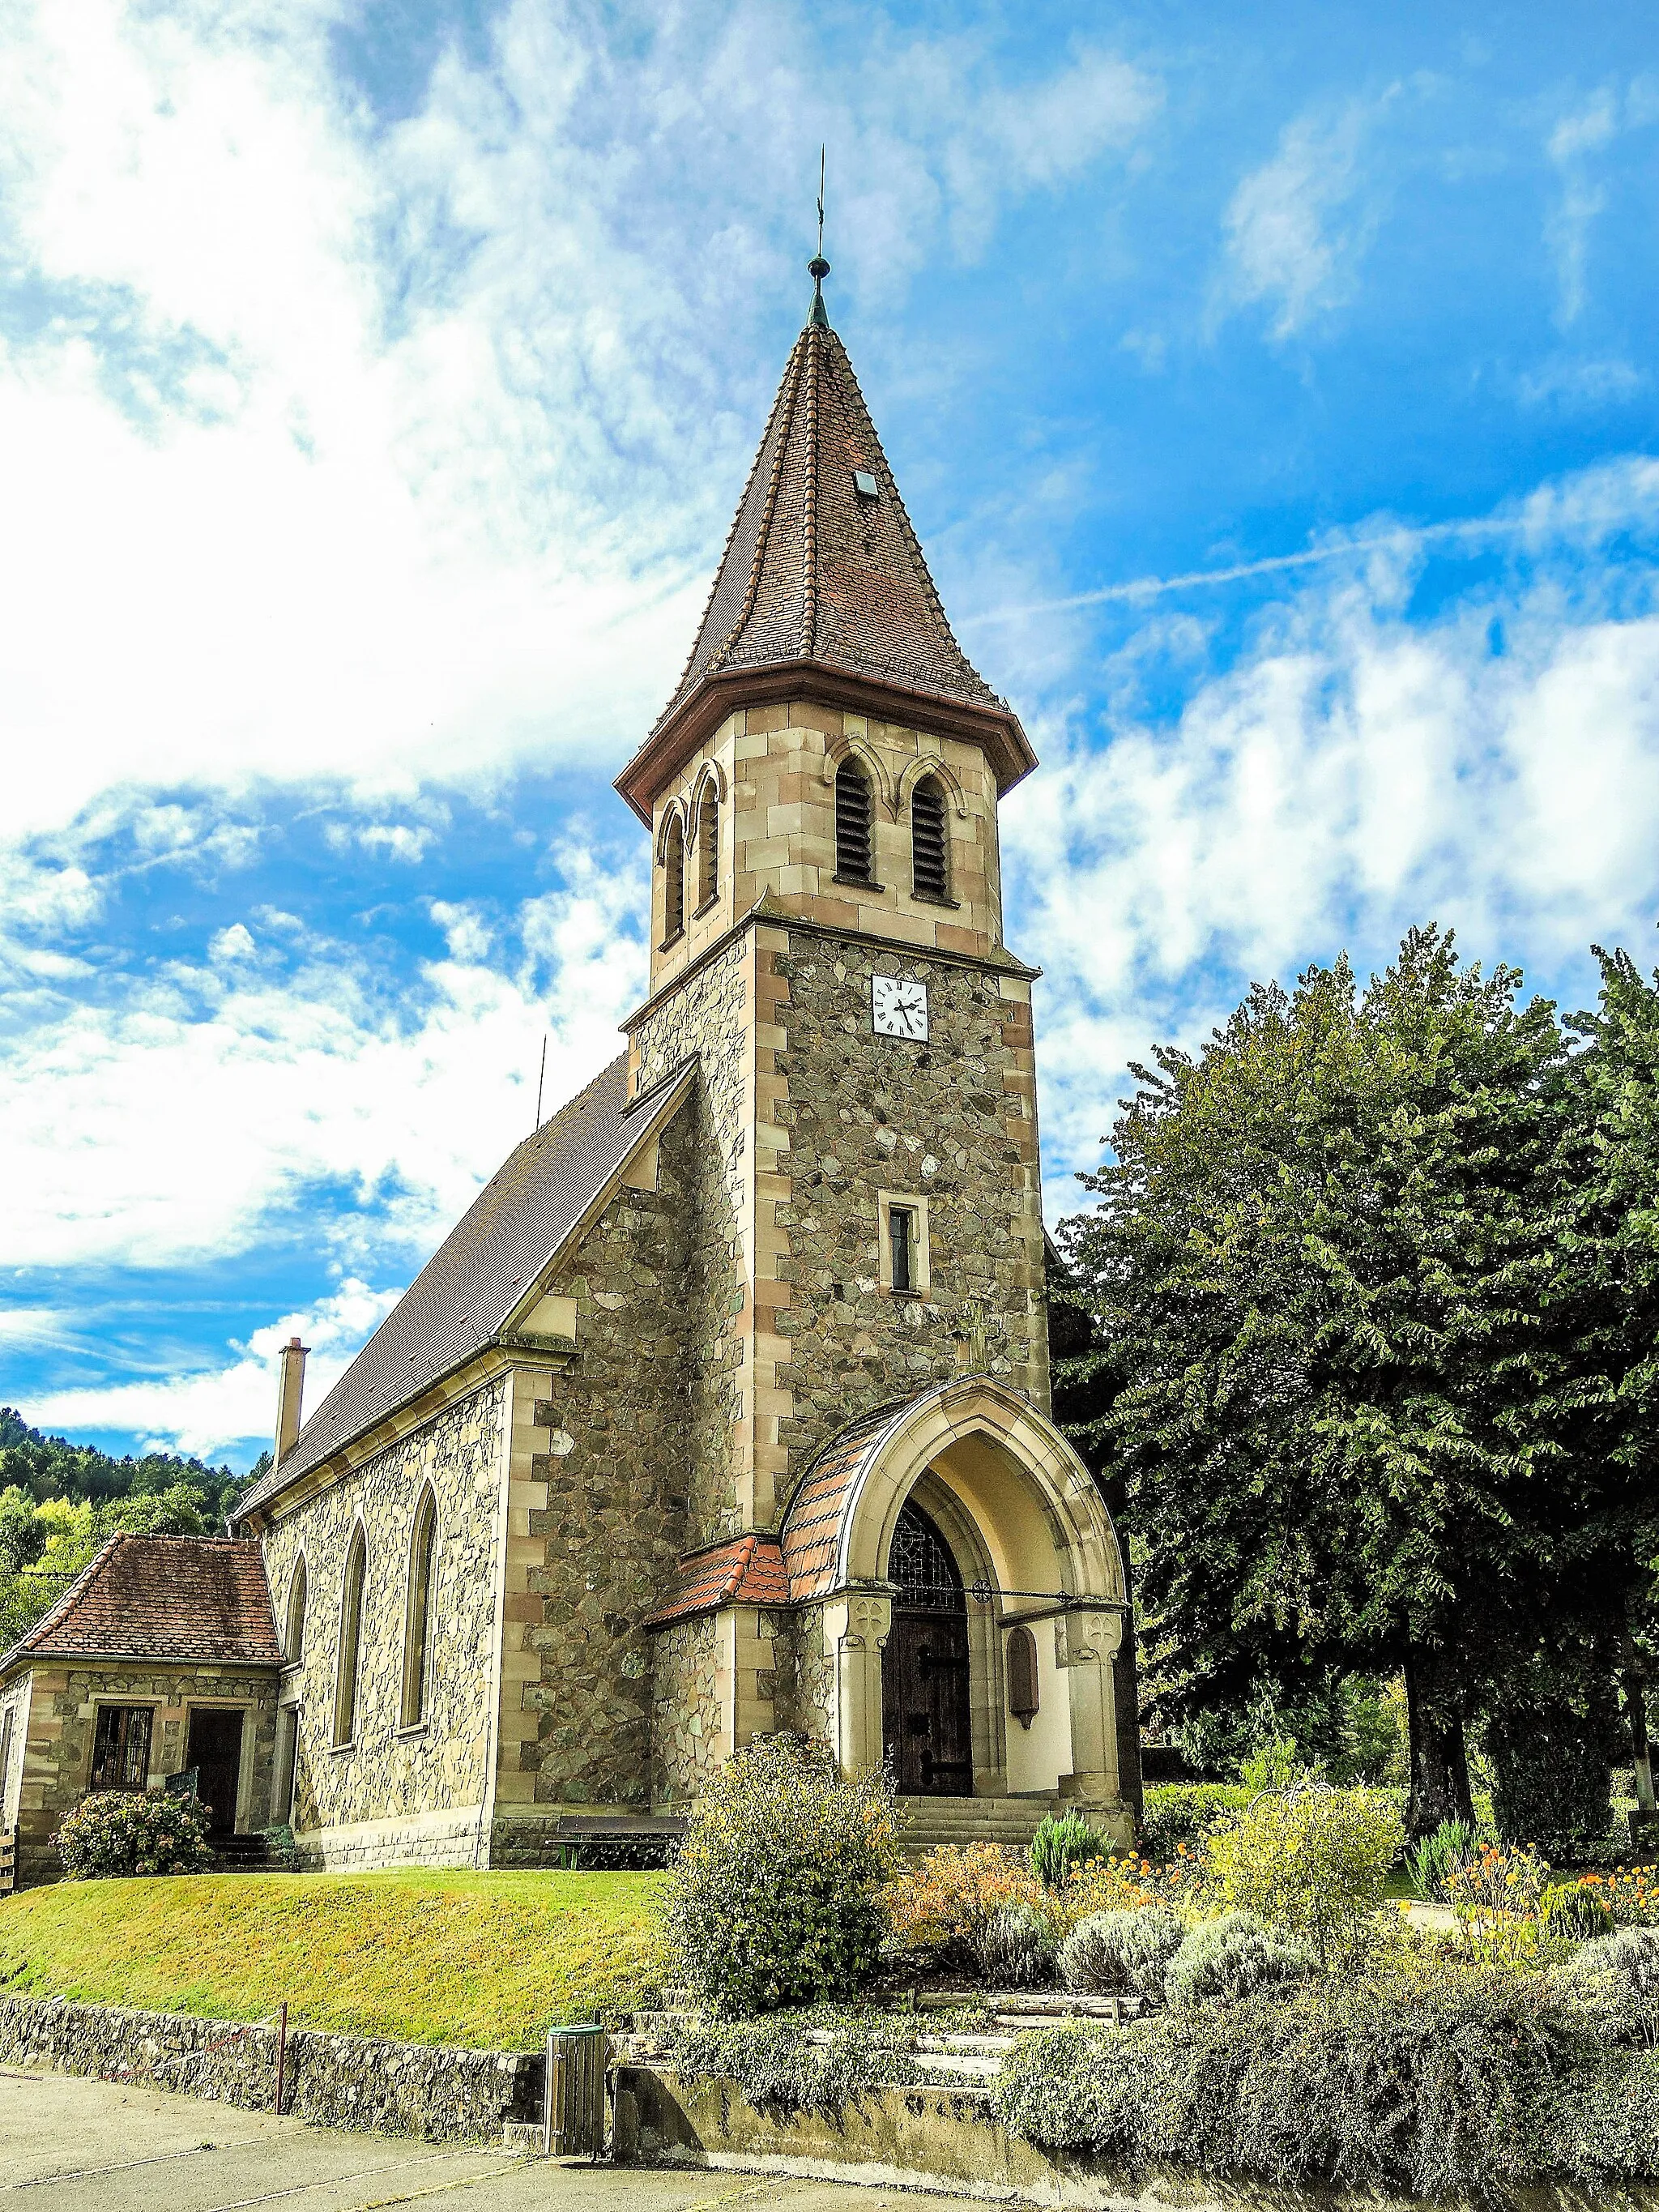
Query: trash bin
x,y
574,2110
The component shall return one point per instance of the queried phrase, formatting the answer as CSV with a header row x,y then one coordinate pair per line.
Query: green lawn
x,y
486,1959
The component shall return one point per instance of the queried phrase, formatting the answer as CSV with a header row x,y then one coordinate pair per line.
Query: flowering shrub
x,y
1631,1893
778,1895
1177,1813
1310,1861
1493,1879
1576,1910
1125,1884
944,1902
125,1832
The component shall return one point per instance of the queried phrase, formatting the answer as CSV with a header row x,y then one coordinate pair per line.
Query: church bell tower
x,y
821,794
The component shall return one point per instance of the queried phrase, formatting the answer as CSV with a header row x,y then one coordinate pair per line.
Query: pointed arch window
x,y
854,817
673,881
708,845
351,1639
294,1625
930,840
417,1616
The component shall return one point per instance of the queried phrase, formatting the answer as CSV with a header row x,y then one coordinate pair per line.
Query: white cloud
x,y
235,943
218,1408
393,457
1495,767
182,1121
1588,130
1296,228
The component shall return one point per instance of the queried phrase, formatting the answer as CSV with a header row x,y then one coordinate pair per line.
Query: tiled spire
x,y
822,591
822,563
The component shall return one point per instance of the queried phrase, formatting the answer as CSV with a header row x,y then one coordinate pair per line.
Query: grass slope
x,y
484,1959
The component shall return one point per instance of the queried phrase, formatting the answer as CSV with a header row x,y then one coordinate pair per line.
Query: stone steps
x,y
931,1820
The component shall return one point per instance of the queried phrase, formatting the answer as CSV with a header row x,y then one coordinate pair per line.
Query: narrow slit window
x,y
673,882
930,847
853,822
351,1638
293,1637
708,845
901,1231
417,1627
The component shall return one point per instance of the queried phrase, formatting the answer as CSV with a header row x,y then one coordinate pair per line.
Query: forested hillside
x,y
59,1500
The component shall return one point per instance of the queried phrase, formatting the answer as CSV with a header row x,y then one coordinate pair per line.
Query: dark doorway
x,y
924,1669
215,1750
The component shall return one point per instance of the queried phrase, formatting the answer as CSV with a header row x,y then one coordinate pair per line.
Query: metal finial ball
x,y
818,269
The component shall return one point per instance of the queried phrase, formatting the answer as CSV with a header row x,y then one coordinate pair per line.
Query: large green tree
x,y
1324,1373
1609,1282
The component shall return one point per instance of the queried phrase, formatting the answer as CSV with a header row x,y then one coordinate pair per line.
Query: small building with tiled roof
x,y
161,1659
724,1409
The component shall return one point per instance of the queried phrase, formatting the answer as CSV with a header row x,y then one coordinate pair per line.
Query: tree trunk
x,y
1439,1759
1636,1715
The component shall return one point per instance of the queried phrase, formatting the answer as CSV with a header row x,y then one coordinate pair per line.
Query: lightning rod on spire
x,y
818,268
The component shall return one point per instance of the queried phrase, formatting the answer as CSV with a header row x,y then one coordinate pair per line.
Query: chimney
x,y
290,1388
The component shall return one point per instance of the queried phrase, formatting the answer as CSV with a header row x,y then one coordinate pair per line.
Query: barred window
x,y
673,884
708,845
120,1748
853,822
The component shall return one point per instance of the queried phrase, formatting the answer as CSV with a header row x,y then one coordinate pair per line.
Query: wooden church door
x,y
924,1669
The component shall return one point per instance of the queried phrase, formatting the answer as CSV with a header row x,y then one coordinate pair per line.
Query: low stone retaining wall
x,y
337,2080
947,2140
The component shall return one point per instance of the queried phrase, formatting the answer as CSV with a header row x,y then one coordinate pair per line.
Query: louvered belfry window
x,y
930,852
708,845
853,821
673,888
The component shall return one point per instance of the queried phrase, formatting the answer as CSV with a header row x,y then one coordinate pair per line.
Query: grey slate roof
x,y
480,1272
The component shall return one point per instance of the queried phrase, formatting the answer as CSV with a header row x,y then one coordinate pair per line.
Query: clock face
x,y
899,1009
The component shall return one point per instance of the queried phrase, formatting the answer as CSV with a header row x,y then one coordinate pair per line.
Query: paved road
x,y
68,2145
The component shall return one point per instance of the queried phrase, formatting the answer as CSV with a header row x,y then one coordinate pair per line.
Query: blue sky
x,y
1273,391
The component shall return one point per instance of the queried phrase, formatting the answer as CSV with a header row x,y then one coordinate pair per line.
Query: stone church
x,y
725,1409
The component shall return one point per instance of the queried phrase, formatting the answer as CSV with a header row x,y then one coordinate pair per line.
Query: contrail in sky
x,y
1152,587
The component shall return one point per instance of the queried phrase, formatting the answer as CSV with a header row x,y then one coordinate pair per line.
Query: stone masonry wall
x,y
806,1673
390,1774
603,1548
57,1757
953,1122
332,2081
709,1017
687,1720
